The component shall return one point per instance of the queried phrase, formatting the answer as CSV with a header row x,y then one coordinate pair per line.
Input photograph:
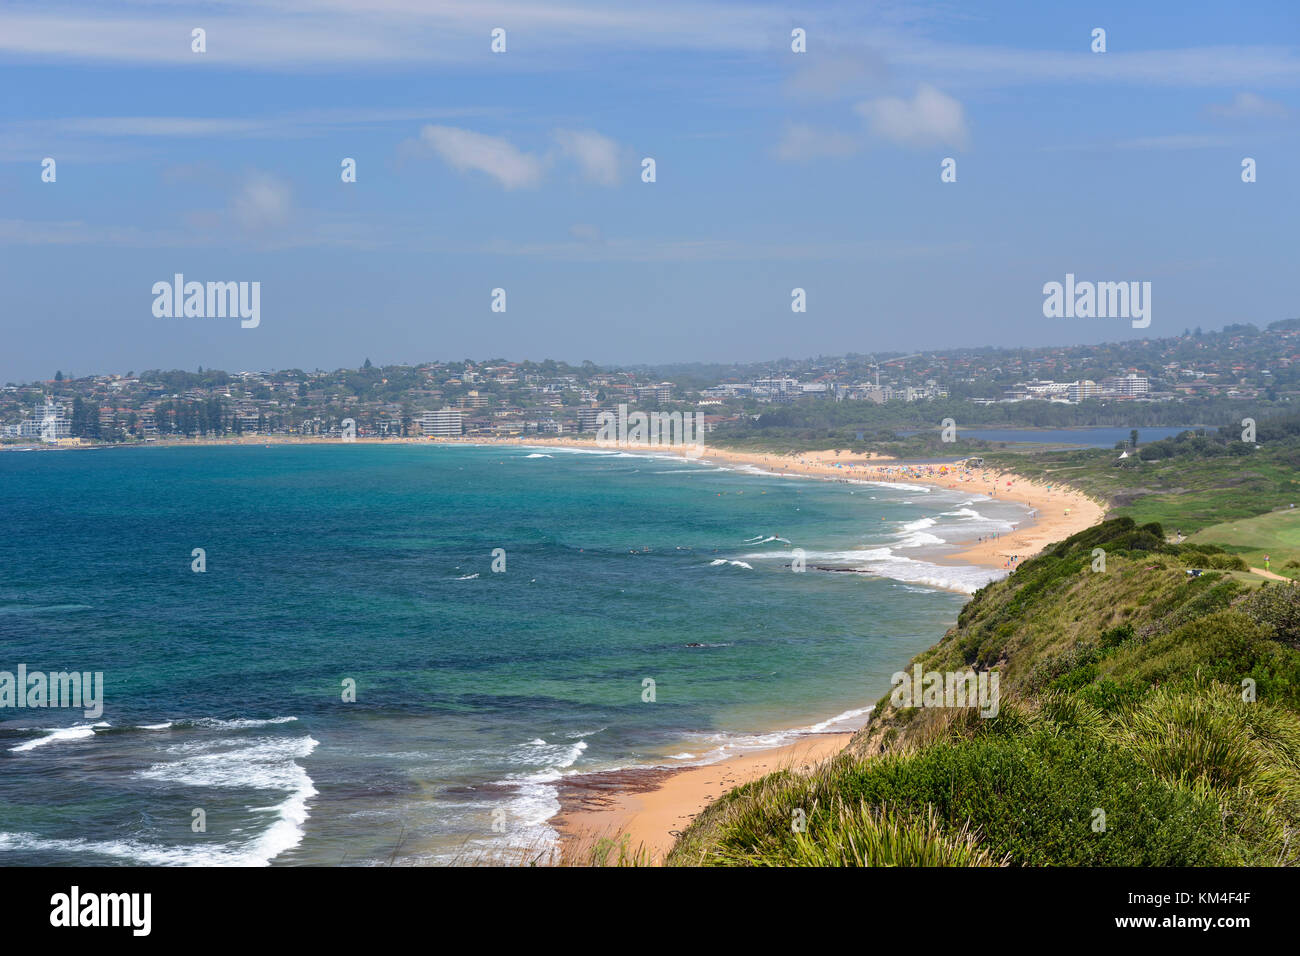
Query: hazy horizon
x,y
522,170
577,363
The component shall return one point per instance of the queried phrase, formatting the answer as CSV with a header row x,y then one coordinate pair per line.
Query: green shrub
x,y
865,836
1277,607
1030,797
1109,695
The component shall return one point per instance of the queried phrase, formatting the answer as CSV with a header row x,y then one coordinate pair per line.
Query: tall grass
x,y
861,835
1123,736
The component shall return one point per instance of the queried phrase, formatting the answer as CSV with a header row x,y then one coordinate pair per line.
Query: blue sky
x,y
521,170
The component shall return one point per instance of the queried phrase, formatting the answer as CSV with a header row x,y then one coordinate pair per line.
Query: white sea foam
x,y
901,486
535,798
58,735
563,450
696,471
262,763
849,720
739,564
239,723
538,455
257,763
884,562
579,734
919,539
724,745
866,554
257,852
149,854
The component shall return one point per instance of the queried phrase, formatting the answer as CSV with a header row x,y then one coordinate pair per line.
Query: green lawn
x,y
1182,494
1276,534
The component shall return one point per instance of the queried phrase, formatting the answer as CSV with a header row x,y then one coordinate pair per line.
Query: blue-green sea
x,y
226,738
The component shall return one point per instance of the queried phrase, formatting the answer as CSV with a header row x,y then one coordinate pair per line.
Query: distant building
x,y
47,424
663,392
589,418
445,423
1082,390
777,386
1130,385
729,390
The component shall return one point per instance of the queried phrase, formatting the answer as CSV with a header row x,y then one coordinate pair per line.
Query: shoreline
x,y
650,806
1055,511
1058,511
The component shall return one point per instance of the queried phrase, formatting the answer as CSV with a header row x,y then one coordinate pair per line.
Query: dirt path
x,y
1270,575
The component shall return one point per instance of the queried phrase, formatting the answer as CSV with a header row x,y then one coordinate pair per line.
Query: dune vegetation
x,y
1149,716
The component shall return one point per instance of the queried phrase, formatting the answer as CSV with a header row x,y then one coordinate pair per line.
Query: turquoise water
x,y
475,690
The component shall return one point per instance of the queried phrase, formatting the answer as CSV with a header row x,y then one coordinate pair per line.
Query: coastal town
x,y
510,399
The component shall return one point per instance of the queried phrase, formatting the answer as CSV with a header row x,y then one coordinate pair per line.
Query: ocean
x,y
367,571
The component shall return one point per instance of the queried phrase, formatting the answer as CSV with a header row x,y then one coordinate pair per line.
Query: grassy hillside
x,y
1185,483
1276,534
1124,735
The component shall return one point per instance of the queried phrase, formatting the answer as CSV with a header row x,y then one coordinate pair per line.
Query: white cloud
x,y
262,202
598,156
930,118
465,150
307,122
801,142
1245,106
286,35
1189,67
290,34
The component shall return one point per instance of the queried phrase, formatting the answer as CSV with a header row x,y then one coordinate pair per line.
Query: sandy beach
x,y
651,806
1055,511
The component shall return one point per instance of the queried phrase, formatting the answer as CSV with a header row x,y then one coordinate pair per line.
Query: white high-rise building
x,y
47,424
1129,385
1082,389
445,423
